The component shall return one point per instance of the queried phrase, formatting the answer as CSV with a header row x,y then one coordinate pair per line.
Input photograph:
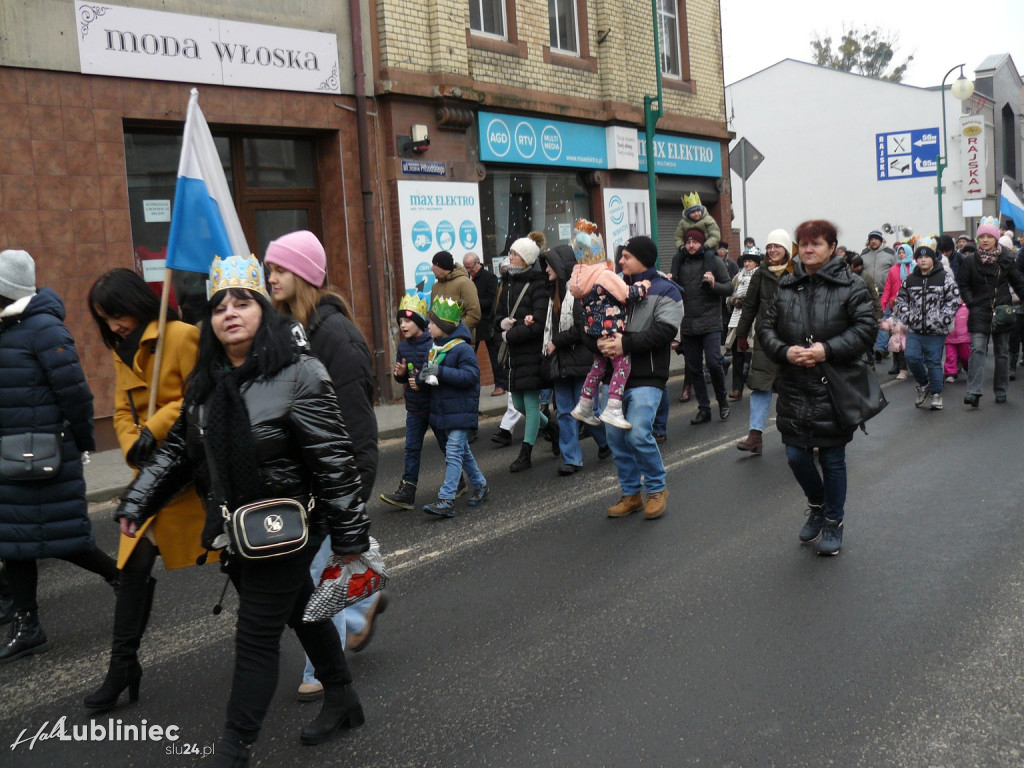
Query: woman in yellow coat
x,y
126,311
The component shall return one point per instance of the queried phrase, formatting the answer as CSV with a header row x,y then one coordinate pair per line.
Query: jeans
x,y
660,426
760,405
882,339
697,350
567,394
415,428
924,354
457,458
272,594
829,487
976,365
637,458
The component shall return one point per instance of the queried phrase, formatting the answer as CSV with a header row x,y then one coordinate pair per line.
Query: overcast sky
x,y
939,33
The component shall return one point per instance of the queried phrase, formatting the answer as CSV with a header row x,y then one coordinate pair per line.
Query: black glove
x,y
131,517
143,449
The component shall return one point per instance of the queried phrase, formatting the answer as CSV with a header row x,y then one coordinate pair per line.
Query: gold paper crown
x,y
587,244
691,200
244,272
446,309
415,301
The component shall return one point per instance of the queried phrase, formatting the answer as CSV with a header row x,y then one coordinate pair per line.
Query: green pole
x,y
651,115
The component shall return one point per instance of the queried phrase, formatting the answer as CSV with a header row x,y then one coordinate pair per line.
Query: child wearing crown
x,y
453,376
605,297
696,216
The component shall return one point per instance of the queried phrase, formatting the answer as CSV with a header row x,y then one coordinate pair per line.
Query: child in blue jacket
x,y
452,375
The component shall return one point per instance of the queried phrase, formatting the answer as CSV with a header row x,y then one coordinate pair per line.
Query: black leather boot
x,y
131,615
523,460
26,637
231,752
341,709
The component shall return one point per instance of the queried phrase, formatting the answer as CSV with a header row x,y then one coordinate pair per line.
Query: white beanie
x,y
17,275
779,237
527,250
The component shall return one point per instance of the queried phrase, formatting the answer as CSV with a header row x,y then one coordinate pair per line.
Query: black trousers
x,y
24,574
272,594
700,349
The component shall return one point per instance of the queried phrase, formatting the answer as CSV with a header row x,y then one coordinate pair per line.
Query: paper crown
x,y
446,309
587,244
244,272
691,200
414,300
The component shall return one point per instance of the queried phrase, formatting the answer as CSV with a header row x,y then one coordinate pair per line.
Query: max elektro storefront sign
x,y
531,141
132,42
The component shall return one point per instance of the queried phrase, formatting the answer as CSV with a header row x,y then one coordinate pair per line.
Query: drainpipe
x,y
380,361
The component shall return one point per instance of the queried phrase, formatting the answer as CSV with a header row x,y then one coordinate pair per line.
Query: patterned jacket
x,y
927,304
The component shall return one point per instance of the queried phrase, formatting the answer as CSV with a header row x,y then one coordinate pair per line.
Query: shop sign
x,y
436,216
156,45
677,156
973,151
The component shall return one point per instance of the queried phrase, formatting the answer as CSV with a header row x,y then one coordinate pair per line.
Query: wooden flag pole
x,y
158,357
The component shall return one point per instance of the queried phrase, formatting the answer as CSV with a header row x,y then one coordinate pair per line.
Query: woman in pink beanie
x,y
297,275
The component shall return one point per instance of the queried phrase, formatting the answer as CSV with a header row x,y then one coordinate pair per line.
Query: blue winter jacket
x,y
43,389
415,351
455,401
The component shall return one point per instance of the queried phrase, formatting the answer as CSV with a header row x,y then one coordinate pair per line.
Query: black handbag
x,y
267,528
30,456
1003,316
854,391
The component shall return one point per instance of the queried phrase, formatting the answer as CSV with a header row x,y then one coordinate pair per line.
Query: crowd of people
x,y
272,396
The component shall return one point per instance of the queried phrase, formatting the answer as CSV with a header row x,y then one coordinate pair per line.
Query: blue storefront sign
x,y
906,154
556,143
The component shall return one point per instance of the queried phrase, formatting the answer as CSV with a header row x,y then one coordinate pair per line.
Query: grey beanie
x,y
17,275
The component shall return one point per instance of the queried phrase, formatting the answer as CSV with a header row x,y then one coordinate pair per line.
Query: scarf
x,y
437,354
906,263
988,257
517,270
564,319
129,345
229,436
778,269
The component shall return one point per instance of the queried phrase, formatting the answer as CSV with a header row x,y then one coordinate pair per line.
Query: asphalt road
x,y
537,632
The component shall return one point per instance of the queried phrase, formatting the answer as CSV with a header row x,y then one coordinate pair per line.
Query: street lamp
x,y
961,89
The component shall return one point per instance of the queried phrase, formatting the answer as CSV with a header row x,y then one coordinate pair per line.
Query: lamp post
x,y
651,115
961,89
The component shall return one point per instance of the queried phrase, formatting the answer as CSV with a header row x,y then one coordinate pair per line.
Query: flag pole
x,y
159,355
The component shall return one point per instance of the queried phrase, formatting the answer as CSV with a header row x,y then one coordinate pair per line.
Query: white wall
x,y
816,128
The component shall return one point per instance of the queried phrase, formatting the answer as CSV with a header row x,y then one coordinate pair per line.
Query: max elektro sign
x,y
530,141
155,45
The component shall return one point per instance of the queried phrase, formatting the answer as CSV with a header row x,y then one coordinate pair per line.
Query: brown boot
x,y
752,443
626,506
655,506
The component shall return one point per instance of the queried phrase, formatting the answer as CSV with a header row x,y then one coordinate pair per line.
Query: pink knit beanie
x,y
301,254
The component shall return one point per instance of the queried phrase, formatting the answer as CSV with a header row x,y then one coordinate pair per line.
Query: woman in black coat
x,y
261,420
519,318
43,390
565,332
821,313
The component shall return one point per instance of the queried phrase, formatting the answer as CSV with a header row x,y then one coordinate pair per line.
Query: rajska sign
x,y
155,45
977,177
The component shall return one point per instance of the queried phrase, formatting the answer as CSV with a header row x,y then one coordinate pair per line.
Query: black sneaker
x,y
403,498
502,437
831,537
815,520
604,453
479,496
441,508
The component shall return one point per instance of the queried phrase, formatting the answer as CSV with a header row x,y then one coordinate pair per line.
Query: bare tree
x,y
865,51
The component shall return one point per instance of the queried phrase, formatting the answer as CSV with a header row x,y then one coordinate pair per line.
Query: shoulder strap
x,y
522,293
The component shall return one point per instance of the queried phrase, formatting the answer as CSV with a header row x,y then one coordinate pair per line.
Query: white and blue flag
x,y
1010,205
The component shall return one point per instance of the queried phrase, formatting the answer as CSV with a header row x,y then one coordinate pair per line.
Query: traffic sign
x,y
744,158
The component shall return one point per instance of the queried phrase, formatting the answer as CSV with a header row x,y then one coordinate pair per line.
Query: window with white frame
x,y
563,26
668,27
488,17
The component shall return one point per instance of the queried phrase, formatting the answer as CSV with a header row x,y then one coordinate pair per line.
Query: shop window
x,y
563,26
675,55
273,181
514,203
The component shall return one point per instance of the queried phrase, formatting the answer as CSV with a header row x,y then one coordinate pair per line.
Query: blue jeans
x,y
976,364
415,428
458,457
926,356
637,458
760,405
829,487
567,393
882,339
351,619
661,417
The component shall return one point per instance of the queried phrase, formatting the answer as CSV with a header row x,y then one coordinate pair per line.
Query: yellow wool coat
x,y
179,525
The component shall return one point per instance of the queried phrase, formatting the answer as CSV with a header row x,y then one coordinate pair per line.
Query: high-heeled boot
x,y
341,709
131,615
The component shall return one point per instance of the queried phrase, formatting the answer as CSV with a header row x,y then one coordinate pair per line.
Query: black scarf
x,y
129,345
230,439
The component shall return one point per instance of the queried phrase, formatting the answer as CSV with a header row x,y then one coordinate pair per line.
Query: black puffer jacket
x,y
981,283
303,449
702,304
831,306
574,358
524,341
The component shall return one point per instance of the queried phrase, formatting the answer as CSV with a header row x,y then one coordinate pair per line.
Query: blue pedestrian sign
x,y
907,154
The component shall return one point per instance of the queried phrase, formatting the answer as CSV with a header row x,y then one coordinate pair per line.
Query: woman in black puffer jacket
x,y
821,313
266,417
520,322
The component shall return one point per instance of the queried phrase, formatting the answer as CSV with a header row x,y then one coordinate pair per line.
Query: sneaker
x,y
568,469
479,496
815,519
936,402
604,453
1000,399
831,537
972,400
922,395
951,379
613,416
502,437
441,508
659,439
403,498
901,376
584,412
